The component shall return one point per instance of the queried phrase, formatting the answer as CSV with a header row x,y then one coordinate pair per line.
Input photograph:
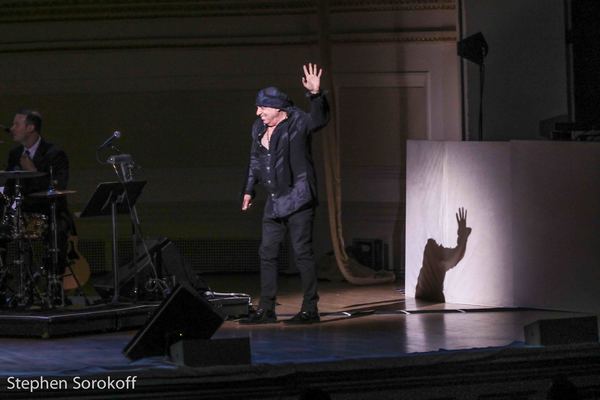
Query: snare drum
x,y
34,225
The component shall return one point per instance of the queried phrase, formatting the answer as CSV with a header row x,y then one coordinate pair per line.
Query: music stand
x,y
112,198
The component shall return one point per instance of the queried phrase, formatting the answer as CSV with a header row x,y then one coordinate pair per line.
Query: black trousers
x,y
300,227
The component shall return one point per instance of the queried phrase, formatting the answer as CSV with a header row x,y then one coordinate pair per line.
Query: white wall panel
x,y
534,212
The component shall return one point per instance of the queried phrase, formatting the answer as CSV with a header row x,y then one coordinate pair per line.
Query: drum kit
x,y
20,287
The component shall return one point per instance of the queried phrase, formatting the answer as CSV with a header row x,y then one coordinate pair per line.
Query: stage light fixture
x,y
473,48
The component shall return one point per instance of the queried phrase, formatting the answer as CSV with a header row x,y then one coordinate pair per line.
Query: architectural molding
x,y
446,35
391,5
128,43
64,10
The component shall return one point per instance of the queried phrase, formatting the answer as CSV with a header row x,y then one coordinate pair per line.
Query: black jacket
x,y
47,155
295,182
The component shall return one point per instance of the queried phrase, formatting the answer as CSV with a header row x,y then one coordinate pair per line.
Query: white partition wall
x,y
534,210
556,225
441,177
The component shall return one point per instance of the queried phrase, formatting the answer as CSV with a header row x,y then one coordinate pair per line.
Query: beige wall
x,y
525,70
181,85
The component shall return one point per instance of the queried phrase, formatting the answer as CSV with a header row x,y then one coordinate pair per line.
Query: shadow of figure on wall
x,y
437,260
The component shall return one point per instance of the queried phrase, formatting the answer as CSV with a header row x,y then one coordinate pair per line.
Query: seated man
x,y
33,153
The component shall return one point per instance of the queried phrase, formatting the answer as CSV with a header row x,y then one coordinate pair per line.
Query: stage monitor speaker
x,y
204,353
185,314
548,332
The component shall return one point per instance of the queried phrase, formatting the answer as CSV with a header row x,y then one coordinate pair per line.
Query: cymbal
x,y
21,174
49,194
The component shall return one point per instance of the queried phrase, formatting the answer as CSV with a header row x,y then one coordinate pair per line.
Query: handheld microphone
x,y
4,128
108,142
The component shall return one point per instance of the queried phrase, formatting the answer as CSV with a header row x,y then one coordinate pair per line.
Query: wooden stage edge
x,y
68,322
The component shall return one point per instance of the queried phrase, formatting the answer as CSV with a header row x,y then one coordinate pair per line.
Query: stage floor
x,y
357,323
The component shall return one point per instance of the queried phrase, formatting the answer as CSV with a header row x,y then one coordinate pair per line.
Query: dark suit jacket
x,y
295,177
46,156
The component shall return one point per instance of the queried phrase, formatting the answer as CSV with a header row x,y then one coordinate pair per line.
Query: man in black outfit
x,y
281,160
33,153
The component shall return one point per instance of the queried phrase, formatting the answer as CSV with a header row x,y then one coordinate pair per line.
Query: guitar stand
x,y
56,294
79,288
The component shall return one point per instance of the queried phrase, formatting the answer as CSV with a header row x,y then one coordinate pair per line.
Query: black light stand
x,y
474,48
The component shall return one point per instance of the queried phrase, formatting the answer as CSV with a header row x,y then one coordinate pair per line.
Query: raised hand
x,y
312,78
461,218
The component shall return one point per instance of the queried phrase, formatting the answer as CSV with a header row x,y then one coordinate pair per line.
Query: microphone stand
x,y
125,174
123,166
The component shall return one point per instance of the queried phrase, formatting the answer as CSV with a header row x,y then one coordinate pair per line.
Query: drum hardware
x,y
6,219
23,296
51,194
22,227
21,300
55,296
17,175
34,226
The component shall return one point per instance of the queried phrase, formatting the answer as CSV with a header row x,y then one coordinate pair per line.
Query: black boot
x,y
260,316
304,317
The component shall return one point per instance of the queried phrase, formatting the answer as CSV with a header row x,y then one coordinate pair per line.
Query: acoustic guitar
x,y
79,266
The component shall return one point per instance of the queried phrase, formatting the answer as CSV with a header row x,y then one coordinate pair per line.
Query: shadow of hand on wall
x,y
437,260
